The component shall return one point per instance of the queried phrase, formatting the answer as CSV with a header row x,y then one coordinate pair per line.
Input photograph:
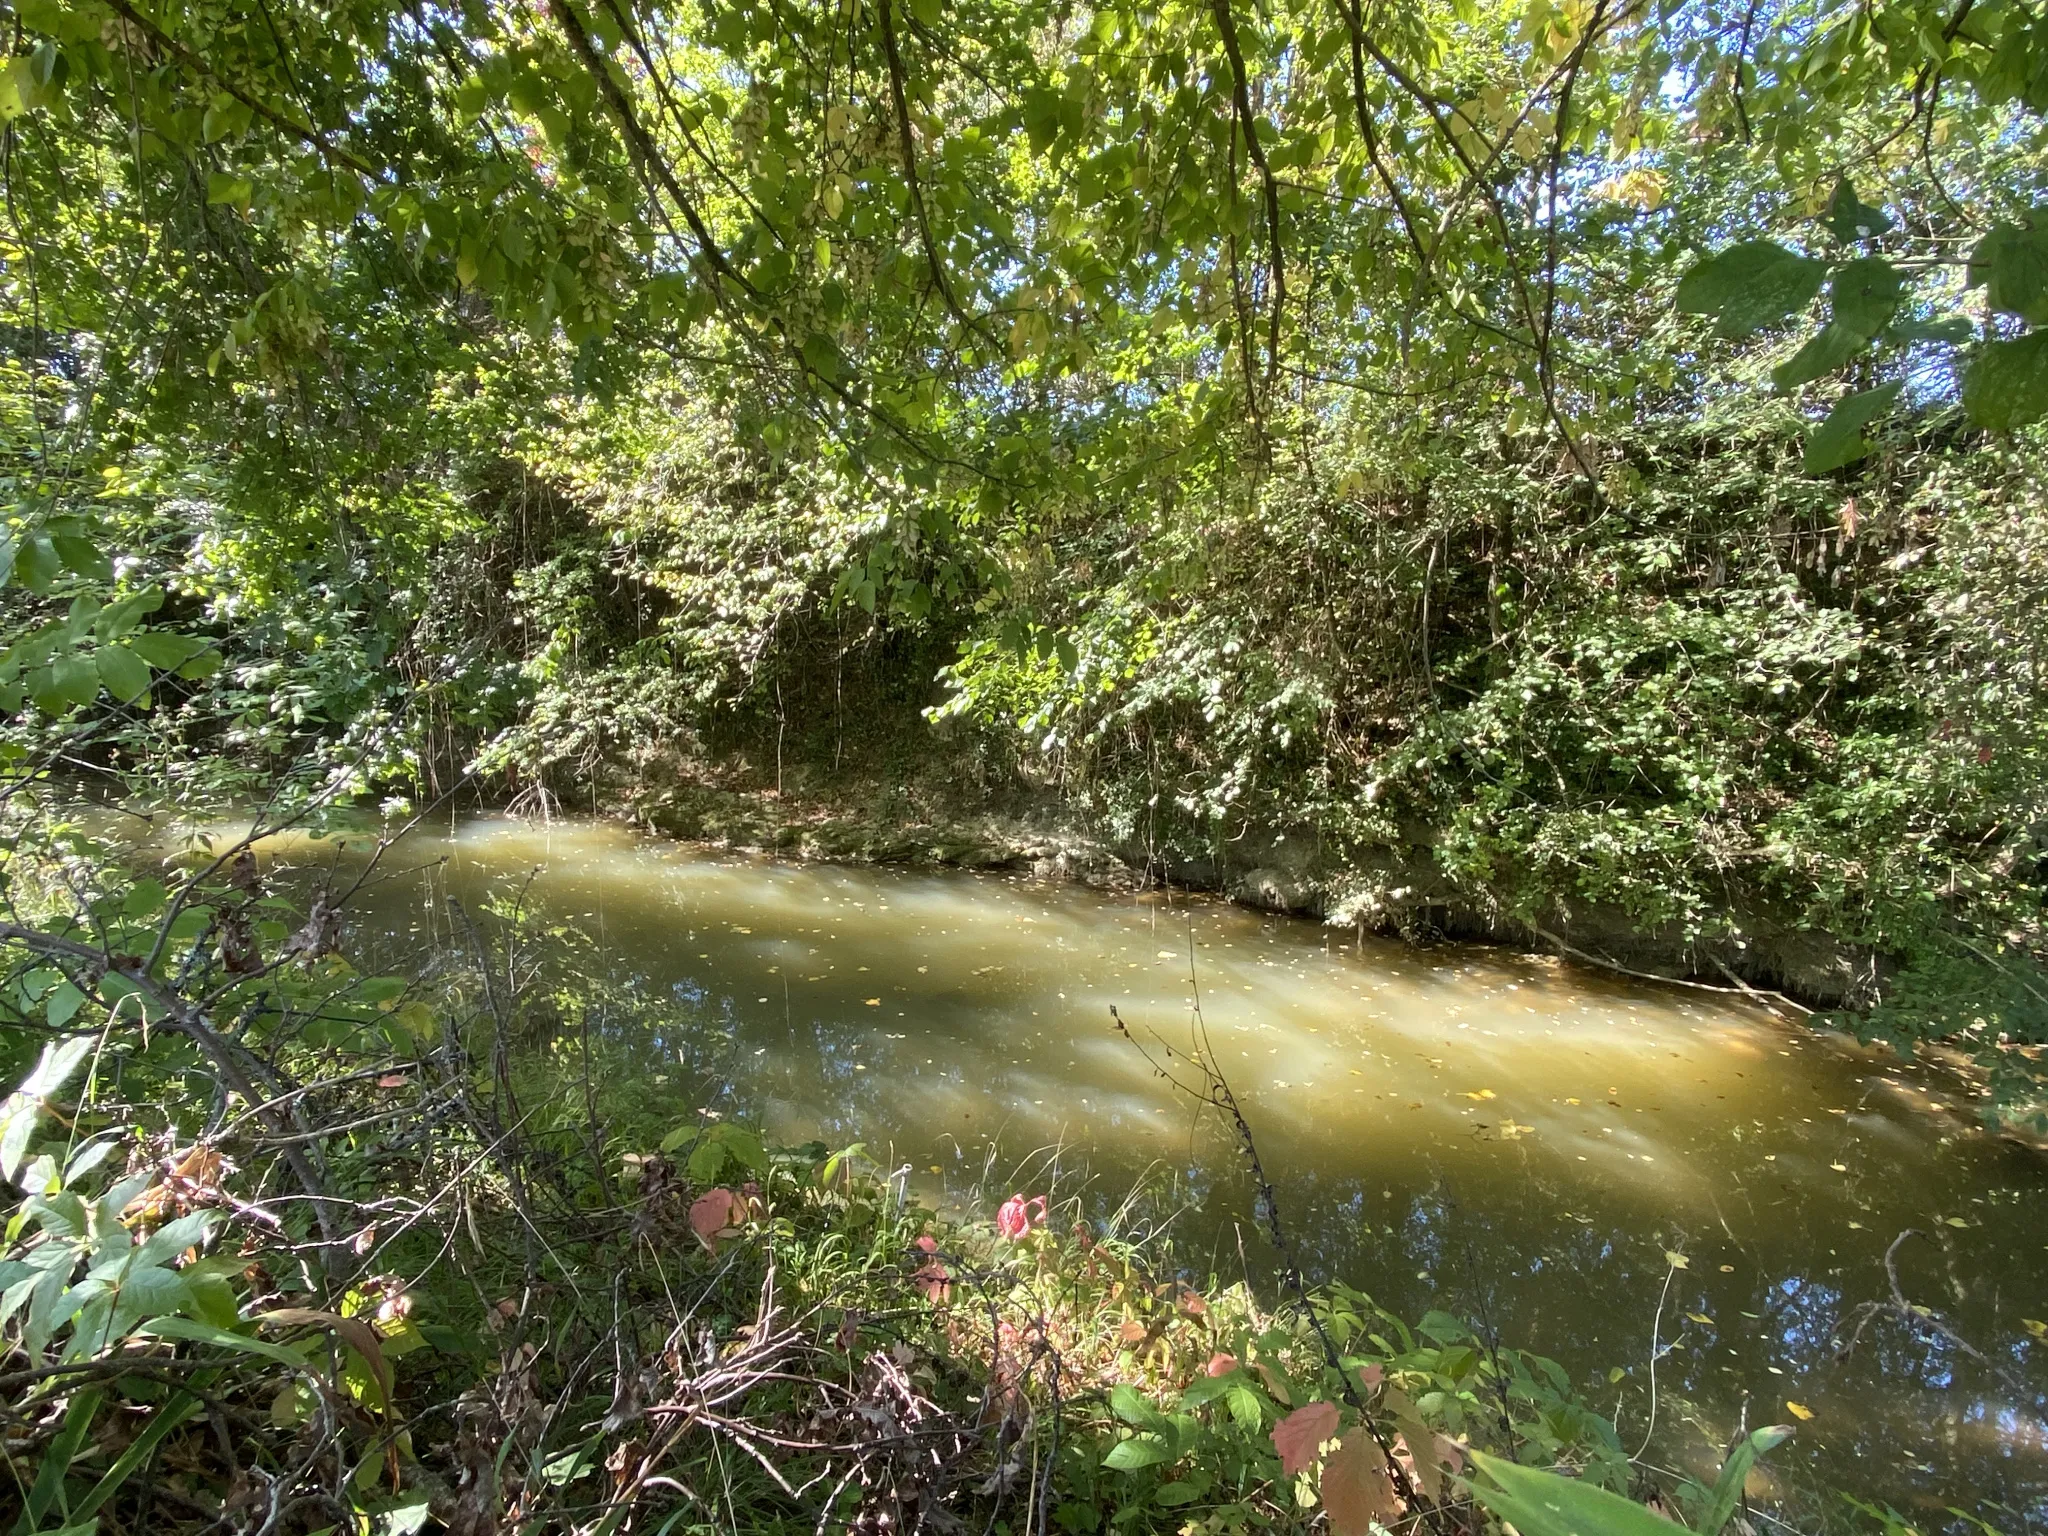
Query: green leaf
x,y
1953,329
48,1488
161,1423
193,1331
1544,1504
62,1005
1864,294
56,1067
1138,1451
124,673
234,191
37,565
2005,384
706,1162
2012,264
163,650
82,555
1839,440
1750,286
1849,218
1825,351
74,679
1734,1473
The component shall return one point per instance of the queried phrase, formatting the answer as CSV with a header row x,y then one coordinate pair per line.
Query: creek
x,y
1535,1148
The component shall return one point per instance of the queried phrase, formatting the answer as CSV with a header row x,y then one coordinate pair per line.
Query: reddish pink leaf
x,y
1298,1436
716,1214
1372,1375
1221,1364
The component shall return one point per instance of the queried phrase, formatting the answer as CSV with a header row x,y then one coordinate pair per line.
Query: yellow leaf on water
x,y
1676,1260
2035,1326
874,1002
1856,1226
1839,1167
1798,1411
1481,1094
1701,1318
1955,1221
1167,954
1571,1101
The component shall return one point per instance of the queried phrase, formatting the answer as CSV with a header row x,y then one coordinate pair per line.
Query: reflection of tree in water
x,y
664,1033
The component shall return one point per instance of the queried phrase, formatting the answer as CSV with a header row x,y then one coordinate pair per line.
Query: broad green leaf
x,y
234,191
1145,1450
1863,295
2012,264
58,1064
37,565
1849,219
124,673
74,679
62,1005
1750,286
1839,440
1544,1504
1825,351
81,555
2005,383
164,650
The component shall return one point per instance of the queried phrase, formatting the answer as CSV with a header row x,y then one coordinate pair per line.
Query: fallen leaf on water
x,y
1955,1221
2035,1326
1571,1101
1167,954
1856,1226
1729,1269
736,928
874,1002
1701,1318
1798,1411
1482,1093
1839,1167
1676,1260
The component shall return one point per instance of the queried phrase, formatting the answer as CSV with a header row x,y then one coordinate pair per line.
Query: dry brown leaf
x,y
1356,1488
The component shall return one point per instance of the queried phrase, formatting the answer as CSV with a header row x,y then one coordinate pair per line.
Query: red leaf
x,y
1298,1436
716,1214
1356,1488
1221,1364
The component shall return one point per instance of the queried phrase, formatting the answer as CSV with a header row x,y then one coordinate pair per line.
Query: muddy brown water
x,y
1487,1133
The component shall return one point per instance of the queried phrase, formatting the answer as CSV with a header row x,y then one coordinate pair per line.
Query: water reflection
x,y
1482,1132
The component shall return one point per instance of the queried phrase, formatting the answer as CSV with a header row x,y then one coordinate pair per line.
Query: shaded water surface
x,y
1459,1128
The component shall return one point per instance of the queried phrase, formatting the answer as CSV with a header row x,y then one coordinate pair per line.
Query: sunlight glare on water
x,y
1474,1130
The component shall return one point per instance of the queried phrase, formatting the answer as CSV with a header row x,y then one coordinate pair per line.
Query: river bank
x,y
1393,891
